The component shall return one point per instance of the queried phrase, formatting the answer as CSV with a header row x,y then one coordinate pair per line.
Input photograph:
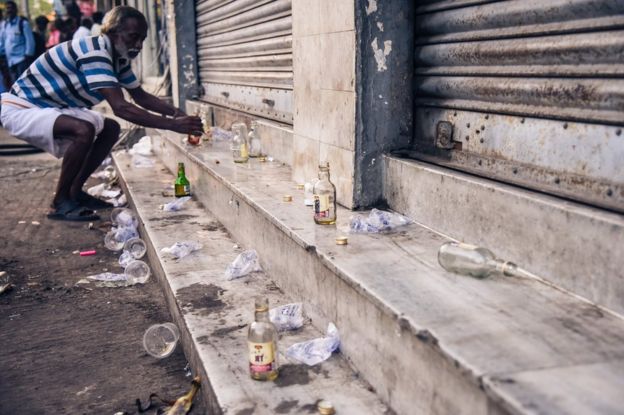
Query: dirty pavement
x,y
68,348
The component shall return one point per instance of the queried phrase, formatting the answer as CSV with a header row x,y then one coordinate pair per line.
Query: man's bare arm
x,y
153,103
134,114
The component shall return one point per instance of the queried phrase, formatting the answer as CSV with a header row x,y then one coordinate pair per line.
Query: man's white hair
x,y
115,18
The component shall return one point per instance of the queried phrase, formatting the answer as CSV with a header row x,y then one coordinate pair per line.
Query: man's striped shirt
x,y
70,74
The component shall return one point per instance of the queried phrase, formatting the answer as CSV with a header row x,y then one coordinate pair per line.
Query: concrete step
x,y
213,313
574,246
429,342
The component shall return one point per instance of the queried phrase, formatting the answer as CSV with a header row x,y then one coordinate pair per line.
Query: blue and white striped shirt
x,y
70,74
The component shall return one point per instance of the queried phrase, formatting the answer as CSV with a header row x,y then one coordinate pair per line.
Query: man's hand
x,y
187,124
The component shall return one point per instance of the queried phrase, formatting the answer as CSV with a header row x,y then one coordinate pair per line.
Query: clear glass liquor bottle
x,y
324,198
473,261
255,146
262,344
182,186
240,147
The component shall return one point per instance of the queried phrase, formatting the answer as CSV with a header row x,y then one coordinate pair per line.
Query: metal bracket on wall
x,y
269,102
444,135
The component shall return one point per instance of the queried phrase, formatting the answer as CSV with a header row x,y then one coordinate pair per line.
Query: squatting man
x,y
49,106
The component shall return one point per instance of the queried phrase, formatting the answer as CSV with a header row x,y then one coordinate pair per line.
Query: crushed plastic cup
x,y
125,258
137,272
160,340
378,221
181,249
315,351
136,247
111,242
124,217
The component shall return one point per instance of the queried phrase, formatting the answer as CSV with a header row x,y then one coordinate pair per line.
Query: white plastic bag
x,y
176,204
143,147
315,351
181,249
96,190
378,221
287,316
244,263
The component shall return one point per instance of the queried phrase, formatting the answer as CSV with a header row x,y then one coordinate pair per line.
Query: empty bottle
x,y
240,147
255,146
262,344
182,185
324,198
473,261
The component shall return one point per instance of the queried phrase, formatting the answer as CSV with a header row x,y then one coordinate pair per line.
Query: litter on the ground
x,y
96,190
36,223
119,201
287,316
21,222
137,272
107,173
181,249
315,351
180,406
245,263
124,217
75,252
143,147
176,204
5,288
88,253
3,274
160,340
125,258
378,221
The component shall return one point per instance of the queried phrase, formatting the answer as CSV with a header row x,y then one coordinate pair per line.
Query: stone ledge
x,y
212,313
440,342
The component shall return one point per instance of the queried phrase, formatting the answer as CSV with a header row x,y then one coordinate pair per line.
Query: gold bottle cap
x,y
262,159
287,198
300,186
342,240
326,408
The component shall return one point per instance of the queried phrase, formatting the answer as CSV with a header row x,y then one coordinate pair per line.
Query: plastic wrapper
x,y
287,316
108,173
123,233
245,263
181,249
315,351
96,190
125,258
378,221
143,147
176,204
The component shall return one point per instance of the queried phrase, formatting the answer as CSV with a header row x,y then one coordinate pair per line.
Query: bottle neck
x,y
181,171
262,315
506,268
323,175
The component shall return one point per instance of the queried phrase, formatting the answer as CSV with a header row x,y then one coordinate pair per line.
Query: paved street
x,y
67,348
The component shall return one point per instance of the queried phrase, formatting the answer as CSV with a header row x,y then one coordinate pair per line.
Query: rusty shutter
x,y
529,92
245,55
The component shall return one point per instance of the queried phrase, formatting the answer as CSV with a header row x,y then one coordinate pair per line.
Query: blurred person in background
x,y
55,33
84,30
68,29
41,26
97,23
17,42
87,7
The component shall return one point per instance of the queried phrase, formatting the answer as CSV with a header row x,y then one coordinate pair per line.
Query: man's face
x,y
11,10
128,41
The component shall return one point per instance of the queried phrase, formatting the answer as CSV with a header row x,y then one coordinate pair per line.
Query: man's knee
x,y
111,128
84,132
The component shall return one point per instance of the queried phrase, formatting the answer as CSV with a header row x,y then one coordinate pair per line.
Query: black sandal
x,y
91,202
72,211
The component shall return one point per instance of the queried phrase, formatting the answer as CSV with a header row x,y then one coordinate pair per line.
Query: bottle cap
x,y
262,159
342,240
326,408
287,198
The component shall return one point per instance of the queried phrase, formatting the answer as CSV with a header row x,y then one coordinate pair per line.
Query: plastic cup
x,y
137,271
136,247
111,242
124,217
125,258
160,340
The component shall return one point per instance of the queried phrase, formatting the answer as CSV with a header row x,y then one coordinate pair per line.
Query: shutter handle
x,y
269,102
225,94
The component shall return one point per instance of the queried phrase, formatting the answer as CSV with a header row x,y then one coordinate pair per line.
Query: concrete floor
x,y
68,348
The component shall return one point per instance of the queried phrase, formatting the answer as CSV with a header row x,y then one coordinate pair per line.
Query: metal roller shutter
x,y
525,91
245,55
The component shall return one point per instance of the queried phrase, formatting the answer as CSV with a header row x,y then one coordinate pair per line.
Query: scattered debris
x,y
315,351
287,317
181,249
75,252
378,221
142,148
90,226
36,223
245,263
88,253
160,340
176,204
180,406
5,288
325,408
21,222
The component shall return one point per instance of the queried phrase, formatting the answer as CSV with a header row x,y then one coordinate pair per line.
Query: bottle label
x,y
261,357
244,153
182,190
321,206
